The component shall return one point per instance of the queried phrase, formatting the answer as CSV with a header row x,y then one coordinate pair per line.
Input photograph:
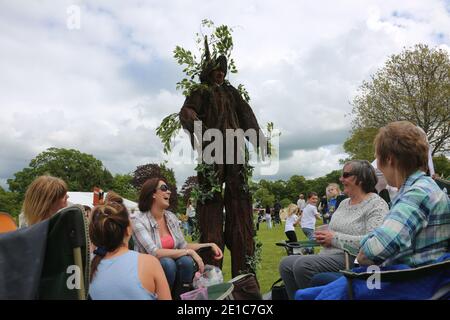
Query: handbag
x,y
246,287
279,292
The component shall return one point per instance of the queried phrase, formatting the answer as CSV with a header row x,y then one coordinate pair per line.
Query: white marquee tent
x,y
87,199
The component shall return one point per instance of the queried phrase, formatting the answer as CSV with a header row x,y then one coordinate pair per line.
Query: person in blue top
x,y
416,230
118,273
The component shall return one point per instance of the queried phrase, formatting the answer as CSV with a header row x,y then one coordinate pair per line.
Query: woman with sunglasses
x,y
355,217
157,232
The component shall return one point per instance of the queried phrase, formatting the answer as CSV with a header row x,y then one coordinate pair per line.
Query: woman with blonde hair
x,y
292,220
43,198
333,199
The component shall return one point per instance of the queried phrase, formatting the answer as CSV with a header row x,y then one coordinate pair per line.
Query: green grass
x,y
267,272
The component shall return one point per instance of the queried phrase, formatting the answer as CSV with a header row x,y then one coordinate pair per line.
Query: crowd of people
x,y
159,265
412,228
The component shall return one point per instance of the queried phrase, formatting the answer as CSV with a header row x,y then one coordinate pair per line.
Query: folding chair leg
x,y
350,288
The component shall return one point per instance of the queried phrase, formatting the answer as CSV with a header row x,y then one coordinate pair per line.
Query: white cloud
x,y
104,88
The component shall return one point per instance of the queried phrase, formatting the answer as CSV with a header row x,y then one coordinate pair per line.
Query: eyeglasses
x,y
345,175
163,188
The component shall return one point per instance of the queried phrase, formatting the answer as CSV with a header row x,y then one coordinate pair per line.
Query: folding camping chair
x,y
66,269
48,260
7,223
398,282
398,278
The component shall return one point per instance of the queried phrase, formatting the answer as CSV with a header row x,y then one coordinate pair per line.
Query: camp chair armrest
x,y
299,244
303,244
400,275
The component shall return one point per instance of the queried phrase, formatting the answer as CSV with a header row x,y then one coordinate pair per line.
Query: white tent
x,y
87,199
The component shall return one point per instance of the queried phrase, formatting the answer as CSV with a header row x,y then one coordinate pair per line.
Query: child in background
x,y
292,220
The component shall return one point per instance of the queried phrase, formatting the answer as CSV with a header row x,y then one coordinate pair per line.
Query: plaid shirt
x,y
146,232
416,231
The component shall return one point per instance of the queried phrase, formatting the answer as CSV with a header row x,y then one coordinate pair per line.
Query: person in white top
x,y
310,215
190,212
301,203
292,220
268,217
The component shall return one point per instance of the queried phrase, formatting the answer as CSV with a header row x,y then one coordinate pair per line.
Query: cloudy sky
x,y
104,87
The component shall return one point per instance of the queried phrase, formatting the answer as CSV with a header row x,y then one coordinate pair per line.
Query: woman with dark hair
x,y
355,217
118,273
157,232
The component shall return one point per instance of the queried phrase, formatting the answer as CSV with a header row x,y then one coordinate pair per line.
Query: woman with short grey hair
x,y
356,216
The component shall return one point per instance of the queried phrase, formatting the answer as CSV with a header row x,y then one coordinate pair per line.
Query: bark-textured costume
x,y
222,107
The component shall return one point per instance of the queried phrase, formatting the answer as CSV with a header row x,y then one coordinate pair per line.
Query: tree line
x,y
82,172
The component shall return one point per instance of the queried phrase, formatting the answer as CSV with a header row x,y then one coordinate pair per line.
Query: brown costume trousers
x,y
234,228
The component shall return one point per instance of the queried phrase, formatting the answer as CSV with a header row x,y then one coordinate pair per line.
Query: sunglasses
x,y
163,188
345,175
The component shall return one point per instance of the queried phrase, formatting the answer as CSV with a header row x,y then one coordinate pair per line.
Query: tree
x,y
190,183
360,144
319,185
123,186
294,186
79,170
413,85
264,197
442,166
278,189
9,202
285,202
153,170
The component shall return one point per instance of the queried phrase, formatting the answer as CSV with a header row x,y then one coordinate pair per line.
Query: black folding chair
x,y
48,260
66,256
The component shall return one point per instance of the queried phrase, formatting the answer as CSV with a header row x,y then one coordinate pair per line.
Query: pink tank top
x,y
167,242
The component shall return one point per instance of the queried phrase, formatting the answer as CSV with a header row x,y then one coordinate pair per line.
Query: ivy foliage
x,y
220,42
206,191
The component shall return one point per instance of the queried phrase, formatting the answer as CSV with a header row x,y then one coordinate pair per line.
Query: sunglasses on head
x,y
163,188
347,174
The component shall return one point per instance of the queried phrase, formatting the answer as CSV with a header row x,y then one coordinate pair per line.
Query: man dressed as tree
x,y
219,105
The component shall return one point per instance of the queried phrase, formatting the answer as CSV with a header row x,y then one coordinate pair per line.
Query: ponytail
x,y
107,230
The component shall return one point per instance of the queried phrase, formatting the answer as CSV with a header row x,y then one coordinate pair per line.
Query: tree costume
x,y
221,106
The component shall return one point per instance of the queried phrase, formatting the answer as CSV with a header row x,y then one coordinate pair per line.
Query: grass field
x,y
267,273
